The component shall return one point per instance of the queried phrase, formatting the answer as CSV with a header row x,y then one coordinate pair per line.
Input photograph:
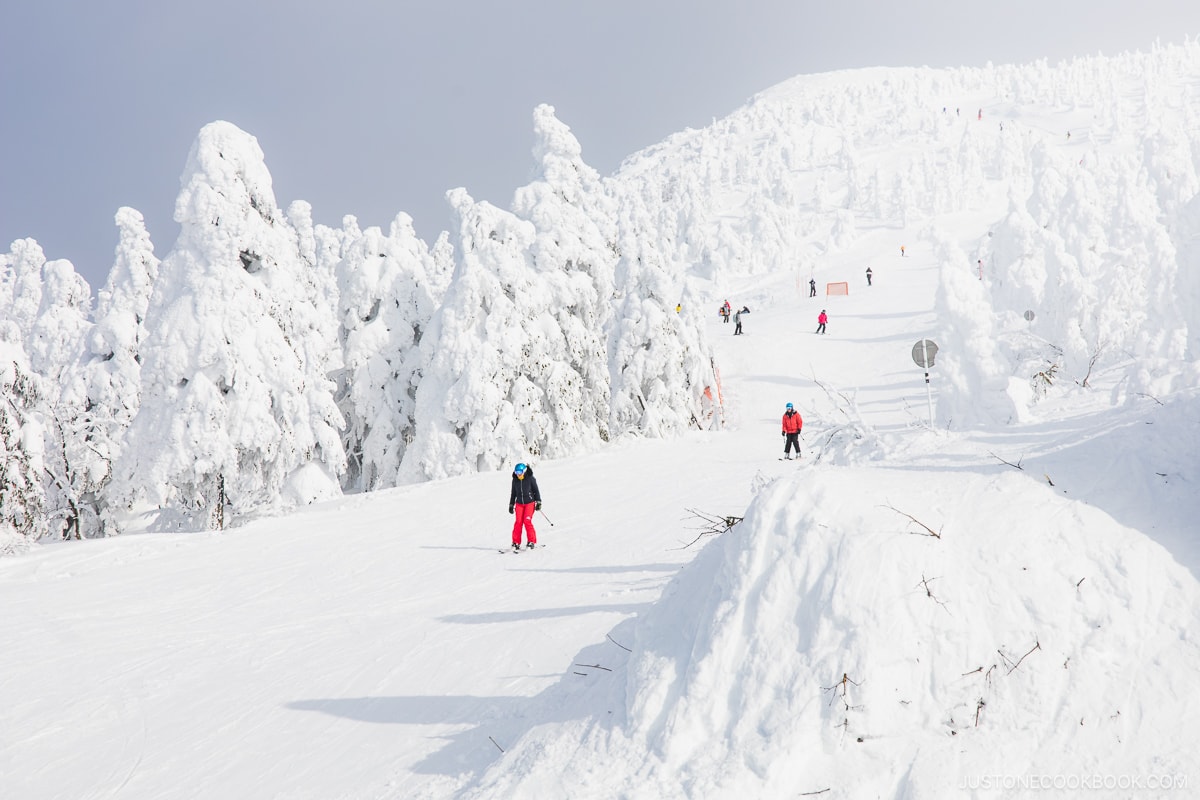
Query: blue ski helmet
x,y
519,469
789,406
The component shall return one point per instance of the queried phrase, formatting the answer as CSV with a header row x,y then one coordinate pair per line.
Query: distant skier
x,y
737,318
523,500
868,276
725,310
821,320
792,425
812,287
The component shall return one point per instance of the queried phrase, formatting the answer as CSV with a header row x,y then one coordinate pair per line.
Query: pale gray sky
x,y
370,107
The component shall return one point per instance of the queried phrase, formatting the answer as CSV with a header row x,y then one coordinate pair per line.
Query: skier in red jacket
x,y
821,320
792,425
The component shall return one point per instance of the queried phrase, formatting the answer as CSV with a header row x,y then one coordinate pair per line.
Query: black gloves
x,y
538,507
510,509
783,433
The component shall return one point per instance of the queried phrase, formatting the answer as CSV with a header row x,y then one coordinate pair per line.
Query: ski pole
x,y
543,513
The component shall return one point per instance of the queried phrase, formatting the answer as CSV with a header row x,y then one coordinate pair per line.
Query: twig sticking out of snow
x,y
1002,461
928,530
1037,645
710,524
929,592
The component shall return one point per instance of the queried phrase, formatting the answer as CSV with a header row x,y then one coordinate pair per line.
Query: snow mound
x,y
833,641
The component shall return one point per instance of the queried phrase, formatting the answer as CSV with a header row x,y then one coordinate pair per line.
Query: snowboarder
x,y
821,320
792,425
868,276
523,500
812,287
737,318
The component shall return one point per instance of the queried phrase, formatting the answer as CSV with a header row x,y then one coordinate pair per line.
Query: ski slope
x,y
380,647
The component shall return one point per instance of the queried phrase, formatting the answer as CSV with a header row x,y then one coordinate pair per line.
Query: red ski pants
x,y
524,514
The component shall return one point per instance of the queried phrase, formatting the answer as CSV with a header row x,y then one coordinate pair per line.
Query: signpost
x,y
923,353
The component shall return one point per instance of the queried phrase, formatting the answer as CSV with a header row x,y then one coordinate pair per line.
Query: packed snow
x,y
996,602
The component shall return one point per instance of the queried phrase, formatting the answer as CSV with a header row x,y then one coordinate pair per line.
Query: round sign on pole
x,y
1029,316
923,353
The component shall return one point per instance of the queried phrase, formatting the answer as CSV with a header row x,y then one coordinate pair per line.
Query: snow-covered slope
x,y
380,647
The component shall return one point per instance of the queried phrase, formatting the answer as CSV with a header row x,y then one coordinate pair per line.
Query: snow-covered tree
x,y
56,337
661,368
498,381
22,496
574,253
385,302
56,344
235,412
108,382
973,374
320,250
21,285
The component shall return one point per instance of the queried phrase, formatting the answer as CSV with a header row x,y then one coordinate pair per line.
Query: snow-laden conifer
x,y
108,382
21,285
22,494
56,348
56,337
235,410
385,301
574,253
661,366
495,359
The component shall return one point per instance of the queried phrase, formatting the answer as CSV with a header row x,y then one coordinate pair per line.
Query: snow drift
x,y
936,635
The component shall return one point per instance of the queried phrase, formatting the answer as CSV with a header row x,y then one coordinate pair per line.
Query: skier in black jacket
x,y
523,500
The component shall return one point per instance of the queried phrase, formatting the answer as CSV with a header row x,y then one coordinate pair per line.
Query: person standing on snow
x,y
792,425
523,500
812,287
737,317
725,310
868,276
821,320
